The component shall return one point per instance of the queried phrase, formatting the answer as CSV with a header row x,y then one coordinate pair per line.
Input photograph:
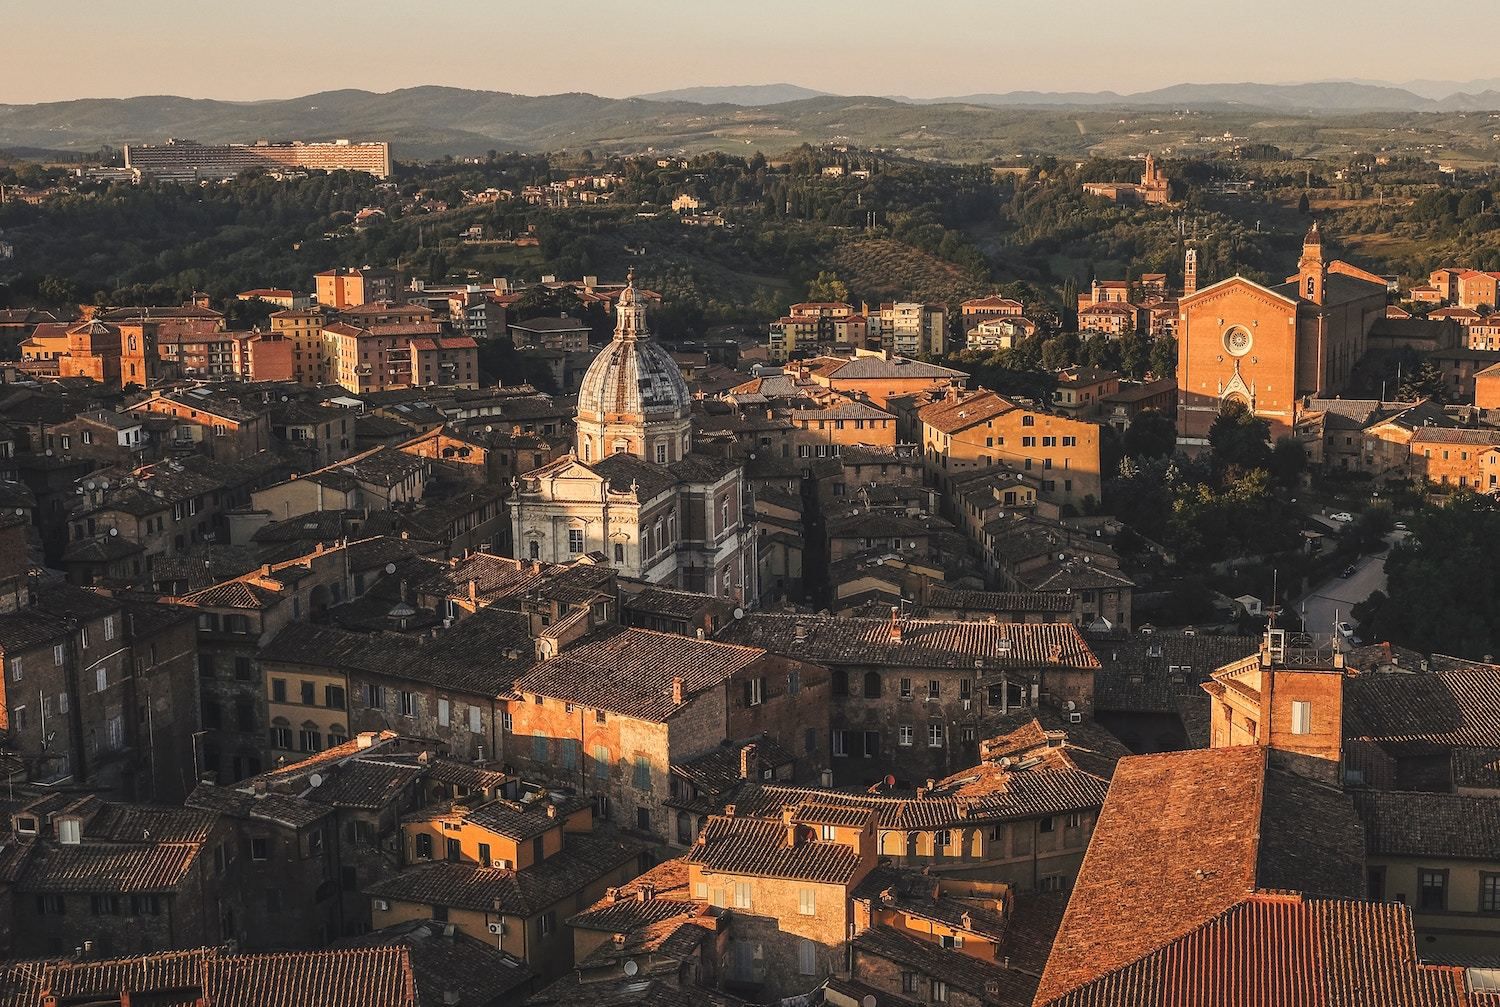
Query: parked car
x,y
1346,631
1400,526
1348,572
1342,517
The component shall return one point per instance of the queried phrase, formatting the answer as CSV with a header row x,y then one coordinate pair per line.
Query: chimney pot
x,y
677,690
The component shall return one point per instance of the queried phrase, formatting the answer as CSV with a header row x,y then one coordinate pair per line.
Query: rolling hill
x,y
428,122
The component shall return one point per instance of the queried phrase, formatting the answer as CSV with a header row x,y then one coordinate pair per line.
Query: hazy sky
x,y
275,48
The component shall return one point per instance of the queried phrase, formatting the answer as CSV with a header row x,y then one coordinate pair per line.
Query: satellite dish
x,y
113,532
869,1000
739,613
631,968
390,568
89,485
315,780
890,780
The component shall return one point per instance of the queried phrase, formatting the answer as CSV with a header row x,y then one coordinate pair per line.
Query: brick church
x,y
1268,347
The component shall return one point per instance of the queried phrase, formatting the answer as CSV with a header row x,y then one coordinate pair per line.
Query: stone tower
x,y
1312,268
1190,272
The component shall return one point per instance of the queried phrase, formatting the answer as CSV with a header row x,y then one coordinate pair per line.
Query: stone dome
x,y
634,376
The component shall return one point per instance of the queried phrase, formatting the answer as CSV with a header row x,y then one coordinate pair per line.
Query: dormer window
x,y
26,826
69,831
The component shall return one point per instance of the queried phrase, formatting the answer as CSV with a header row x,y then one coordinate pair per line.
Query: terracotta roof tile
x,y
922,643
1283,950
631,671
1185,837
759,847
1447,826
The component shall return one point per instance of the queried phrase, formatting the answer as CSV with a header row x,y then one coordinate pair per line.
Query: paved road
x,y
1332,600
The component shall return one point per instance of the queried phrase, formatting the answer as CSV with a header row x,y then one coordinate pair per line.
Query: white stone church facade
x,y
633,491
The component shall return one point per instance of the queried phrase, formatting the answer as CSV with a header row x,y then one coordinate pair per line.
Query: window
x,y
810,740
57,655
807,901
333,697
934,735
940,988
906,688
1051,883
643,819
872,685
68,831
445,712
953,940
1489,893
101,679
619,552
1049,824
661,453
840,682
278,690
599,716
641,777
51,905
908,982
1301,717
408,704
474,725
309,738
904,736
575,541
281,734
109,627
1433,894
840,743
755,691
424,846
260,848
742,895
601,761
15,669
793,682
807,958
934,690
309,693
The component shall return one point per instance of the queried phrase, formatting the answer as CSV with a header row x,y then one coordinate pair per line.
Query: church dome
x,y
634,376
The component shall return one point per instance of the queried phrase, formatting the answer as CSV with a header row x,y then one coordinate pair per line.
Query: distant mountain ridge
x,y
430,121
737,94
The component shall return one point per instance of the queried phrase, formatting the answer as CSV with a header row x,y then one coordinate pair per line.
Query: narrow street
x,y
1332,600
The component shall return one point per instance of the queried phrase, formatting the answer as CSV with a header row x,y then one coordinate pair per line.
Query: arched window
x,y
337,735
1312,285
840,682
588,449
535,549
621,446
872,685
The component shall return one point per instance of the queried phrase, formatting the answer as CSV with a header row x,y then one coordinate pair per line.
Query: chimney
x,y
646,892
365,740
611,895
551,811
619,940
799,634
728,813
677,690
748,762
473,594
895,624
792,831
